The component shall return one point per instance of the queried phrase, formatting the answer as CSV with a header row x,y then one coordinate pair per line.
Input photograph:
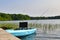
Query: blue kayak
x,y
22,32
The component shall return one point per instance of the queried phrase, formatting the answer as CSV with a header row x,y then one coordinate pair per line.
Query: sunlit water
x,y
46,29
42,35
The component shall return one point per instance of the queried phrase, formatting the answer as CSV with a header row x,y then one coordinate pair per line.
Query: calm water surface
x,y
42,35
46,29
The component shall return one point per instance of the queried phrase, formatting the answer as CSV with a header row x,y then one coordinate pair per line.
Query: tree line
x,y
8,17
40,18
5,17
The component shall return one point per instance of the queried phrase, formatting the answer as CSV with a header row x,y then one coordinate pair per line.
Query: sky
x,y
31,7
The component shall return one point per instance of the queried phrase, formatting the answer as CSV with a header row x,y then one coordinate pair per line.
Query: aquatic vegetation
x,y
9,26
47,27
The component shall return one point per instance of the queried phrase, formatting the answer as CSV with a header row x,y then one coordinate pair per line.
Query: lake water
x,y
46,29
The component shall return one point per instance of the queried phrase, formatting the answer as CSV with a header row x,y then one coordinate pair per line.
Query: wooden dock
x,y
7,36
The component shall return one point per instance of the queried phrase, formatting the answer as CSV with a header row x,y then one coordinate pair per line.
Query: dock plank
x,y
7,36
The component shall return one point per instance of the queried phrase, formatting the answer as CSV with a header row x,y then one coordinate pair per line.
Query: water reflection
x,y
47,31
29,37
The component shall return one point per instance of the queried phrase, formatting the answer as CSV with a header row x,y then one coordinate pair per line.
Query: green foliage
x,y
1,18
38,18
9,26
5,17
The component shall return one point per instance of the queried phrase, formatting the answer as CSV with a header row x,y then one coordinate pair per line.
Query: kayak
x,y
22,32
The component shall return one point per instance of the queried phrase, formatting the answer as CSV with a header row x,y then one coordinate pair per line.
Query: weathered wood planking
x,y
7,36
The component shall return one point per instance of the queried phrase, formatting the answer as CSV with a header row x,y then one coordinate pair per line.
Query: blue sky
x,y
31,7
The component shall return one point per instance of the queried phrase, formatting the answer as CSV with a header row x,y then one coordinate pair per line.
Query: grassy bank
x,y
9,25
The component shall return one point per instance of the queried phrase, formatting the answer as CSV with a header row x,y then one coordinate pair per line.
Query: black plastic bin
x,y
23,25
